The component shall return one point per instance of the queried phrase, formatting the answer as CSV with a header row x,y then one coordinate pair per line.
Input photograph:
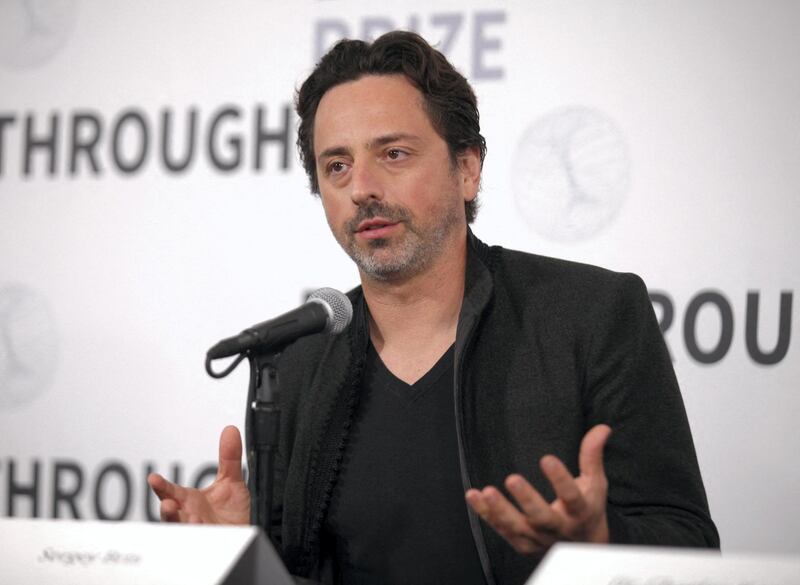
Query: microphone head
x,y
339,307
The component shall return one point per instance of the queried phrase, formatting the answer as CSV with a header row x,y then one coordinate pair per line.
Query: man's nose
x,y
366,182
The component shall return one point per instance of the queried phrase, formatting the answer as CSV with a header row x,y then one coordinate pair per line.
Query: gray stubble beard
x,y
413,253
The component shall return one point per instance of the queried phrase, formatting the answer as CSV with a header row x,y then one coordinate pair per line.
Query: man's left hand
x,y
577,514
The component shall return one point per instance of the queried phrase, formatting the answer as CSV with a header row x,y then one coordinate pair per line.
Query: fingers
x,y
165,489
537,511
564,485
577,513
505,518
590,462
220,502
230,454
170,511
590,459
169,508
493,507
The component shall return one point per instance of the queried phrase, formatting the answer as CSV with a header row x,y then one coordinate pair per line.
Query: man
x,y
464,365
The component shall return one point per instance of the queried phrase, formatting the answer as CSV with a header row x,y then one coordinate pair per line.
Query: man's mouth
x,y
374,224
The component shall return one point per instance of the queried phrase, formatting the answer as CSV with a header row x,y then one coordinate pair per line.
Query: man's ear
x,y
469,172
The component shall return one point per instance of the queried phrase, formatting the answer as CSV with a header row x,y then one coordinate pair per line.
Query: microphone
x,y
326,310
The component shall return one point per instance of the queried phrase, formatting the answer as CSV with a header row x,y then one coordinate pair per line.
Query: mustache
x,y
392,213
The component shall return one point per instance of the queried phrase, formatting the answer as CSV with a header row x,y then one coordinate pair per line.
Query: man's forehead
x,y
373,82
366,110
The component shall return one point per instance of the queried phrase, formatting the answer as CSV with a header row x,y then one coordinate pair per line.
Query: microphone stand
x,y
262,430
262,436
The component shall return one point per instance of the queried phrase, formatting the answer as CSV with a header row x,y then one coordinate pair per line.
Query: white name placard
x,y
584,564
66,552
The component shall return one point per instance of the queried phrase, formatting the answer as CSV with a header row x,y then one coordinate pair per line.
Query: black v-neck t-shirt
x,y
398,514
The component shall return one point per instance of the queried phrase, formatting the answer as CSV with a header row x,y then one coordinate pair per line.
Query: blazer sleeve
x,y
656,494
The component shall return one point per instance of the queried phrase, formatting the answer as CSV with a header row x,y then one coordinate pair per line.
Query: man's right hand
x,y
226,501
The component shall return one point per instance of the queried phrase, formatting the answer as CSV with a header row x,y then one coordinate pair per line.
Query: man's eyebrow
x,y
376,142
334,151
389,138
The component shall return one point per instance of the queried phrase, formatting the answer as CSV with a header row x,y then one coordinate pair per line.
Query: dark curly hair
x,y
449,100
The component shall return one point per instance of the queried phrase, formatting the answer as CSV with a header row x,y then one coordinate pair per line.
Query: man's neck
x,y
413,321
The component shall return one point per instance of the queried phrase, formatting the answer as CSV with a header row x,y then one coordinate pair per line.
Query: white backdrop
x,y
655,137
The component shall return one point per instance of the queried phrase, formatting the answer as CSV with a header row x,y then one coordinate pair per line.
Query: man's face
x,y
392,196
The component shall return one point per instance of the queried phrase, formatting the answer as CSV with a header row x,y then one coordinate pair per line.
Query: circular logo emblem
x,y
32,31
28,345
571,173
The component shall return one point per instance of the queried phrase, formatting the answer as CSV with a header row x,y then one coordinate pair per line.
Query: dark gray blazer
x,y
545,350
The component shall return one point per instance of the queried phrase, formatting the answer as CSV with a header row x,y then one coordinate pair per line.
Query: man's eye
x,y
336,167
395,154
